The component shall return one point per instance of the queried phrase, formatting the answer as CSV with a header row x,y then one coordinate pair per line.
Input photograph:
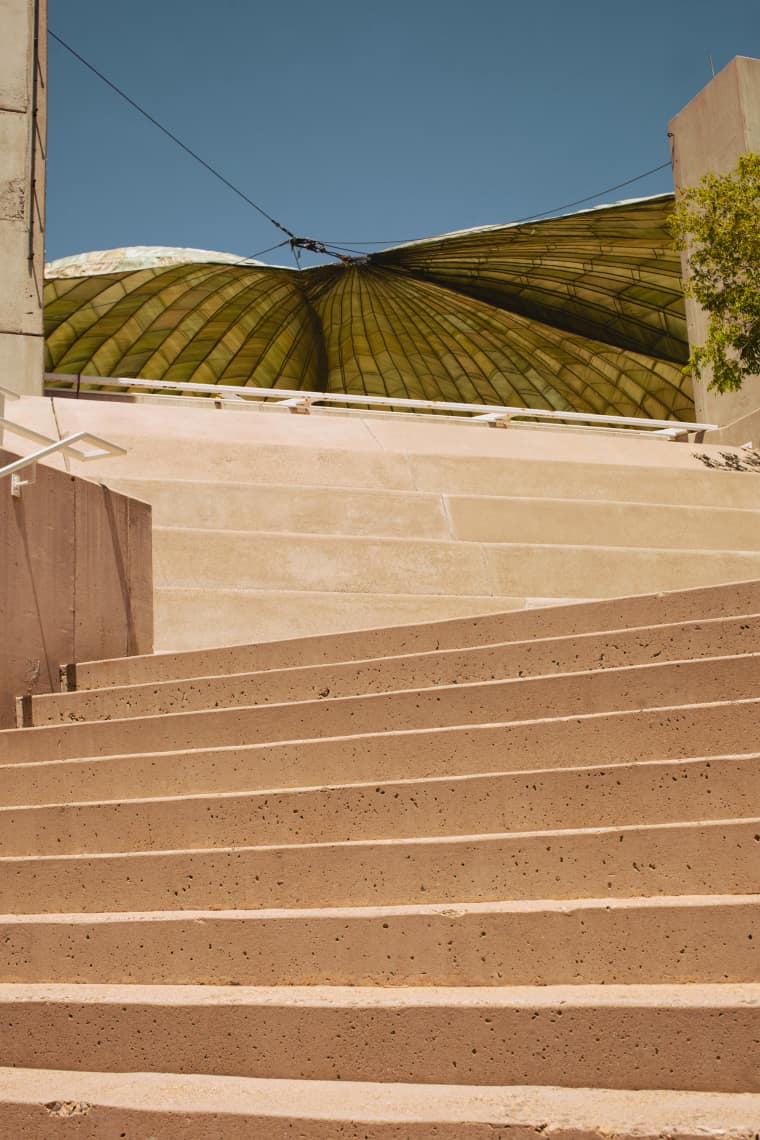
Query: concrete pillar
x,y
23,77
708,135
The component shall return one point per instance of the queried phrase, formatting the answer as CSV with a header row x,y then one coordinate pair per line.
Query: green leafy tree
x,y
718,223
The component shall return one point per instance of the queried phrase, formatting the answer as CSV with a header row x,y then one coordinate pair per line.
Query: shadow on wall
x,y
76,580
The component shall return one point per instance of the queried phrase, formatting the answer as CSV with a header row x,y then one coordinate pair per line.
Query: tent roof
x,y
583,312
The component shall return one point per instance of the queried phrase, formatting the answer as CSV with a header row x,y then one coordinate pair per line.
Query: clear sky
x,y
352,120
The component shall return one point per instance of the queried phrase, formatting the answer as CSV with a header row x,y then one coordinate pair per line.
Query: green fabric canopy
x,y
578,313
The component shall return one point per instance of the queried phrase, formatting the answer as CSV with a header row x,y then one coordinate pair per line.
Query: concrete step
x,y
41,1104
610,521
351,470
672,939
253,560
231,616
601,739
638,686
652,792
552,621
277,507
683,641
550,477
265,560
166,438
358,452
713,857
701,1037
589,522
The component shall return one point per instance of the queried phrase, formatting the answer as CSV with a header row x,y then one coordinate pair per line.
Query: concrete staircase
x,y
487,877
270,525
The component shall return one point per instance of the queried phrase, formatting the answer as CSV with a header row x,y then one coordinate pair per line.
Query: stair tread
x,y
664,716
568,655
675,766
548,800
689,995
608,879
413,840
642,1114
576,616
447,910
650,685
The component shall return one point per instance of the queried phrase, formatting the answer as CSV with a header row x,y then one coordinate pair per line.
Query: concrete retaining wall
x,y
76,580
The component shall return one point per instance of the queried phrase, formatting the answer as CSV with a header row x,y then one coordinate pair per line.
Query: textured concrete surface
x,y
451,875
76,579
675,939
599,738
715,857
482,1035
205,559
23,120
711,638
551,621
224,616
519,699
273,525
474,518
624,794
44,1105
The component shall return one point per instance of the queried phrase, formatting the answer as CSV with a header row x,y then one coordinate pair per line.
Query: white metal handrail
x,y
6,394
301,402
103,449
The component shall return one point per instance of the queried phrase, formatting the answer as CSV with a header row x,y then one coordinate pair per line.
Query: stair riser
x,y
554,621
718,679
595,944
225,617
596,797
262,560
656,1048
418,514
332,454
719,858
522,659
584,480
270,507
608,738
191,1121
563,521
281,468
265,560
169,454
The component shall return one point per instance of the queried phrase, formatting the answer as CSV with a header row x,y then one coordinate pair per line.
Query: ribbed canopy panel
x,y
579,313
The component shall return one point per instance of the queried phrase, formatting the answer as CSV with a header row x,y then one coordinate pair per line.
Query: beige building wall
x,y
76,579
708,135
23,73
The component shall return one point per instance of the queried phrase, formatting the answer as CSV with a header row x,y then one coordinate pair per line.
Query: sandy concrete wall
x,y
719,124
76,580
23,74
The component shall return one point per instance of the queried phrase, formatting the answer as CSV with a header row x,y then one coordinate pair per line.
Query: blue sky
x,y
357,121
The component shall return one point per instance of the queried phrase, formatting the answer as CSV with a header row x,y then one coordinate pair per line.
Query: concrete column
x,y
719,124
23,77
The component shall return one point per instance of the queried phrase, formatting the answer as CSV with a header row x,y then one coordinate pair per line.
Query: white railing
x,y
103,448
301,403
